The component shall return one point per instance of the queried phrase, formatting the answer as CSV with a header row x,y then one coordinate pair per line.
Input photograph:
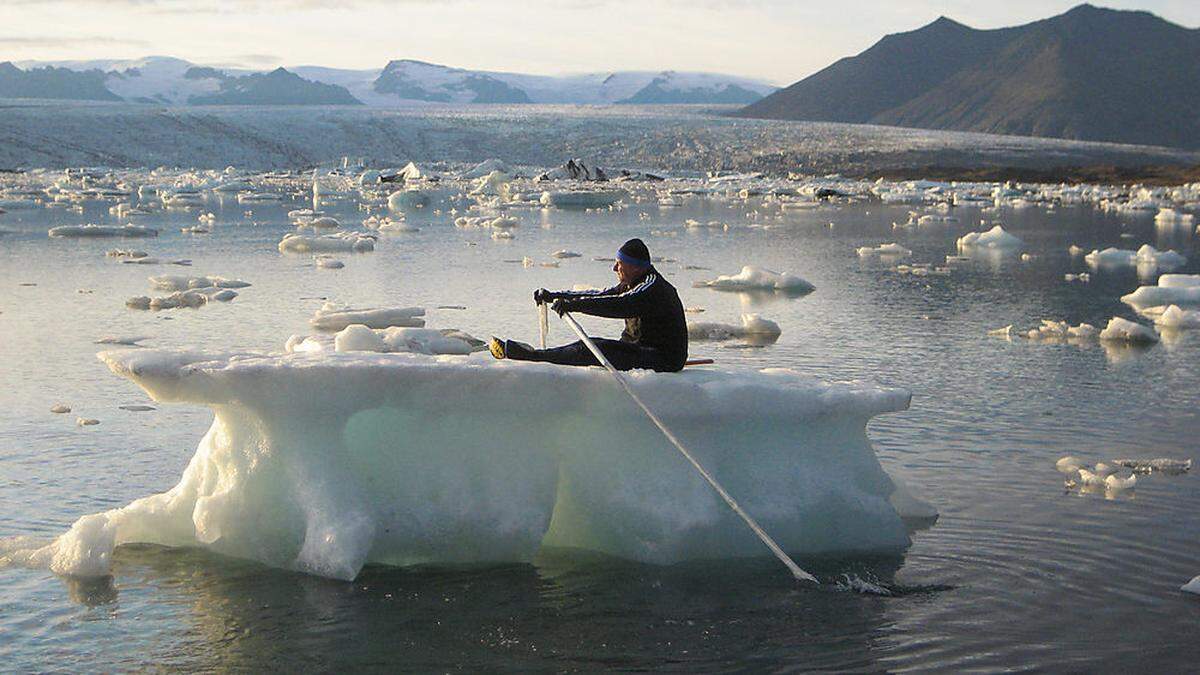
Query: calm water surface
x,y
1017,573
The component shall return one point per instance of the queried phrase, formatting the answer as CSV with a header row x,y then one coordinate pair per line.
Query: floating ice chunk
x,y
1075,251
137,408
995,238
1058,330
324,222
1124,330
1114,482
753,326
411,198
327,263
494,183
190,299
1172,289
126,253
223,295
395,226
1083,330
1165,465
338,242
503,234
1090,479
86,422
332,317
258,198
358,338
582,199
1082,277
892,249
1192,586
1104,470
1069,465
90,231
171,282
1001,332
60,408
753,278
1177,318
289,500
563,254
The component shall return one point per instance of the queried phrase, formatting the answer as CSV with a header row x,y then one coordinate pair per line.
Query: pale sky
x,y
775,40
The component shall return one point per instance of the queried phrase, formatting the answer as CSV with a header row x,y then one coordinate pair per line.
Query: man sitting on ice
x,y
655,334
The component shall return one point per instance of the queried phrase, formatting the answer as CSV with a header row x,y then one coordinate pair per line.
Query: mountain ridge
x,y
1090,73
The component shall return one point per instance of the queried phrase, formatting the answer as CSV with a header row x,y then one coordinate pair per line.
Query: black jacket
x,y
652,311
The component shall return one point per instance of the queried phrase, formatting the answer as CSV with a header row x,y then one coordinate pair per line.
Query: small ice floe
x,y
1192,586
503,235
86,422
338,242
563,254
1082,277
1114,482
195,229
396,226
1069,465
408,199
360,338
1161,464
995,238
126,253
582,199
1090,478
1172,289
60,408
1001,332
493,183
124,340
189,299
753,278
753,327
319,222
91,231
1075,251
1174,317
1167,217
501,223
1124,330
137,408
884,250
1147,255
256,198
172,282
327,263
1028,257
332,317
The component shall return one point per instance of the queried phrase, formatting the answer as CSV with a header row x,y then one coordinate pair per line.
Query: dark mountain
x,y
1090,74
278,87
53,82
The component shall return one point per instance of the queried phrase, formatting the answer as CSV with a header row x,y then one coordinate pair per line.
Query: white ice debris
x,y
1069,465
327,263
753,278
407,199
753,326
1124,330
1060,330
563,254
90,231
171,282
1082,277
995,238
60,408
126,253
1172,289
1075,251
332,317
359,338
1114,482
340,242
86,422
426,487
190,299
892,250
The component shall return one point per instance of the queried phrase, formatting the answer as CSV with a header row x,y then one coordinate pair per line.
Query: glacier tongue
x,y
325,462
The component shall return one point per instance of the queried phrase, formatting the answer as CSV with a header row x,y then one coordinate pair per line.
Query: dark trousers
x,y
623,355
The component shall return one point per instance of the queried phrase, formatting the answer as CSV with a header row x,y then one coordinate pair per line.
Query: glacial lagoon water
x,y
1017,572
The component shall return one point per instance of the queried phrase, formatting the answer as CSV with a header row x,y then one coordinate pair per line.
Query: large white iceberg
x,y
325,462
1147,255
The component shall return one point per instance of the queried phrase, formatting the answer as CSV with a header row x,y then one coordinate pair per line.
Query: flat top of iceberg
x,y
217,378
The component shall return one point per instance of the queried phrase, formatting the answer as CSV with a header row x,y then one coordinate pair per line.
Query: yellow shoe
x,y
496,347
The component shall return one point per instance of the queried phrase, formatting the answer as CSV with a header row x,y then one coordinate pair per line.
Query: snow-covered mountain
x,y
168,80
417,80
